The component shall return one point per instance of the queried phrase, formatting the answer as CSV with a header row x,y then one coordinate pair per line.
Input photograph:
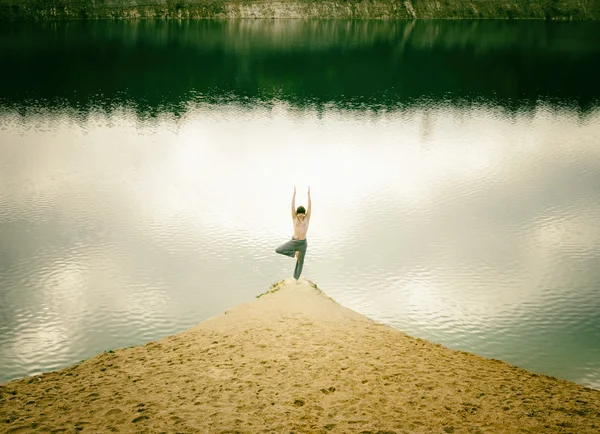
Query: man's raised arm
x,y
309,204
294,204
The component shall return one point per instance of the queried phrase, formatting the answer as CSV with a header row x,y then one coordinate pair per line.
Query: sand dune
x,y
295,361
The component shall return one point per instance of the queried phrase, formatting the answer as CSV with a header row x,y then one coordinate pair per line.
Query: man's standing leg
x,y
300,262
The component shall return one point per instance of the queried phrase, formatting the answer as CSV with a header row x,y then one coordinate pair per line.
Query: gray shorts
x,y
290,248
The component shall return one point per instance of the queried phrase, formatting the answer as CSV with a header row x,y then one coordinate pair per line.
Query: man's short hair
x,y
300,210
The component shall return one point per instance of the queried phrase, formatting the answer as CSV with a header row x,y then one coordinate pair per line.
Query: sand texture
x,y
295,361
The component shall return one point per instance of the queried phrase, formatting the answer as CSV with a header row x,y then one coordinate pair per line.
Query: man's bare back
x,y
300,217
300,227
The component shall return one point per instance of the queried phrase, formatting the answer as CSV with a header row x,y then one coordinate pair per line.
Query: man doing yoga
x,y
297,245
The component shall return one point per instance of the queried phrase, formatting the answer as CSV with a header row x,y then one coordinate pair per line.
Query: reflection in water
x,y
141,192
155,65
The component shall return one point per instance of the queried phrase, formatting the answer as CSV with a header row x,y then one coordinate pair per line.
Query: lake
x,y
147,168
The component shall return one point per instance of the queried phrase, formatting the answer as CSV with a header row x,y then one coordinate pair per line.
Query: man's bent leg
x,y
287,249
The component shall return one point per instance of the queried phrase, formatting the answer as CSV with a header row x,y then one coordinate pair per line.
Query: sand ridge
x,y
295,361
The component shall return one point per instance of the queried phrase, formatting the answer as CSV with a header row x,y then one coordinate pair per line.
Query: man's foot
x,y
297,254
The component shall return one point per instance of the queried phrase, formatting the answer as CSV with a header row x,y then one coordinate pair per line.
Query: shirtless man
x,y
297,245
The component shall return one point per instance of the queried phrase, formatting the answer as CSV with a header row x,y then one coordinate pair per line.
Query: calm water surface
x,y
146,171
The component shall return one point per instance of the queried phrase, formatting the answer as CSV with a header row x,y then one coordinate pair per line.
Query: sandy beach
x,y
295,361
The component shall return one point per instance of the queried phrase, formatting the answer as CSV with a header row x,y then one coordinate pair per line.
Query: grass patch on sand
x,y
314,285
274,288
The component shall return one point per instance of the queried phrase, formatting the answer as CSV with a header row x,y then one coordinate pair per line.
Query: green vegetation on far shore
x,y
53,10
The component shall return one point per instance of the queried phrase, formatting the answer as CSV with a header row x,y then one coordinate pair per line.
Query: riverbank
x,y
295,360
268,9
